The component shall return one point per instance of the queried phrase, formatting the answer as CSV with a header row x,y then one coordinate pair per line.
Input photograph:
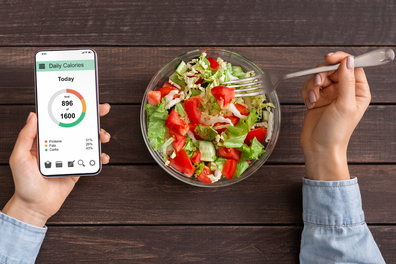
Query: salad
x,y
199,125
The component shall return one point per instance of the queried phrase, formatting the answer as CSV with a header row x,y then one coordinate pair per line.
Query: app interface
x,y
67,112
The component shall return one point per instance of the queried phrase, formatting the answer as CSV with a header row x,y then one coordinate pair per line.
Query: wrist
x,y
327,165
24,213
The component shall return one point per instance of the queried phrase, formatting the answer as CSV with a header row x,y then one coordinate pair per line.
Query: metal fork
x,y
267,82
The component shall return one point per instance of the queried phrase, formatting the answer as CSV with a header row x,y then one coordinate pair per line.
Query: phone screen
x,y
67,110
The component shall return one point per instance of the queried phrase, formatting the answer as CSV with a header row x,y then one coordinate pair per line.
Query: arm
x,y
36,199
334,227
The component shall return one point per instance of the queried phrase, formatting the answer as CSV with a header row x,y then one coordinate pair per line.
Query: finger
x,y
337,57
346,83
311,92
104,136
105,158
27,135
104,109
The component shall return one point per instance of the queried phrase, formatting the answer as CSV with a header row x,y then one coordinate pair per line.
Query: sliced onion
x,y
232,108
191,135
215,119
270,127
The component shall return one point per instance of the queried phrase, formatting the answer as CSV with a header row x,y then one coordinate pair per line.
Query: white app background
x,y
67,145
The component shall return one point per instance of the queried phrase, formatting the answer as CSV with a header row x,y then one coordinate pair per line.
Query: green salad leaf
x,y
206,132
253,152
157,115
241,167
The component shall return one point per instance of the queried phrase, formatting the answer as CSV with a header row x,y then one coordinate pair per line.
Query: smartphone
x,y
67,107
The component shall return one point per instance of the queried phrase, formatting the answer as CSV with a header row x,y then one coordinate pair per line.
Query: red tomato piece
x,y
229,168
154,97
179,141
242,109
196,157
167,84
166,90
229,153
192,110
174,121
182,163
213,63
199,81
258,133
203,176
223,95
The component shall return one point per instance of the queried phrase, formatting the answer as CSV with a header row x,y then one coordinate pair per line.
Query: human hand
x,y
333,113
36,198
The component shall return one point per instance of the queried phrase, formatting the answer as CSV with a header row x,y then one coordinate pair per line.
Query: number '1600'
x,y
68,115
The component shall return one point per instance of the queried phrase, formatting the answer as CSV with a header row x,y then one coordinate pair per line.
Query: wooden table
x,y
133,212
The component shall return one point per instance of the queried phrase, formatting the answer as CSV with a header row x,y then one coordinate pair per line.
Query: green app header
x,y
68,65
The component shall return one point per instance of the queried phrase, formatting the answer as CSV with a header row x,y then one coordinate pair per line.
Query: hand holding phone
x,y
36,198
67,106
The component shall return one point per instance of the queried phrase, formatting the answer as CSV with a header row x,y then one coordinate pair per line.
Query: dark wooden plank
x,y
148,195
201,23
185,244
124,72
373,140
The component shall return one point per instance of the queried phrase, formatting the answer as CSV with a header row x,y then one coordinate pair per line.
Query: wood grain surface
x,y
185,244
206,22
373,141
148,195
125,72
134,212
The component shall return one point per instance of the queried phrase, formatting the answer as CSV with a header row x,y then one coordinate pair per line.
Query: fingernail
x,y
108,105
107,134
308,104
350,62
329,54
108,157
312,97
29,116
318,80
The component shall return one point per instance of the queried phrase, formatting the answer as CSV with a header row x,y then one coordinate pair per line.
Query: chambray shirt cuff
x,y
332,203
19,242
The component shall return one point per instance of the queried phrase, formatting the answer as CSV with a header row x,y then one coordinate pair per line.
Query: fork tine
x,y
250,94
249,79
246,84
249,89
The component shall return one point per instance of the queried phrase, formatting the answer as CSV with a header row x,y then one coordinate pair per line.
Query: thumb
x,y
346,83
27,135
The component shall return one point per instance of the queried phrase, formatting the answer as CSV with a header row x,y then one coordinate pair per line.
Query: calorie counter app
x,y
67,107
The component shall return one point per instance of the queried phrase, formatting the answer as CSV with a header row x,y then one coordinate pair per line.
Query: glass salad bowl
x,y
235,59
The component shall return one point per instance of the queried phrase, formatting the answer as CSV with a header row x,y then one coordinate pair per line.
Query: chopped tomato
x,y
213,63
234,119
196,157
167,84
199,81
175,122
192,129
229,153
154,97
192,110
229,168
179,141
258,133
166,90
223,95
203,176
182,163
242,109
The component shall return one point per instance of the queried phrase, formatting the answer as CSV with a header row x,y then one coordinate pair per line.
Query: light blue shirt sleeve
x,y
19,242
334,227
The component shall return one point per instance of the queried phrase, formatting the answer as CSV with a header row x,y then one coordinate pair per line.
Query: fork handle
x,y
373,58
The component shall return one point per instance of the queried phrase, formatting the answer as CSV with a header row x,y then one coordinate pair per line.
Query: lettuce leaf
x,y
237,134
241,167
206,132
253,152
199,168
189,147
220,163
157,116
